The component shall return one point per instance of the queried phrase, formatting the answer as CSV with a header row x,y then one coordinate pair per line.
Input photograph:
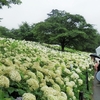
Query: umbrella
x,y
98,50
94,55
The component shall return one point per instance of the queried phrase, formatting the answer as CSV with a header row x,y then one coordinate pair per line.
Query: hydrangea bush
x,y
35,72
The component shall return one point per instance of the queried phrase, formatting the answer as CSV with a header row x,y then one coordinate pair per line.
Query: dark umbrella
x,y
94,55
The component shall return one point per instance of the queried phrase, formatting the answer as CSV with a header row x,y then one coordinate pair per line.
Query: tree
x,y
79,32
8,3
15,34
25,32
4,32
69,38
43,31
92,41
67,30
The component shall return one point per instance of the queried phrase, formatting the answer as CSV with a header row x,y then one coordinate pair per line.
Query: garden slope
x,y
30,70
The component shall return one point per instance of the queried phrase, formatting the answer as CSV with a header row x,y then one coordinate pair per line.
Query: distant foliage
x,y
9,2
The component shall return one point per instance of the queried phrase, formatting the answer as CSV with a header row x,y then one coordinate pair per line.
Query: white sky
x,y
34,11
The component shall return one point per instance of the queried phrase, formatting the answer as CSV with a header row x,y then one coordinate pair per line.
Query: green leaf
x,y
20,91
11,90
7,99
1,95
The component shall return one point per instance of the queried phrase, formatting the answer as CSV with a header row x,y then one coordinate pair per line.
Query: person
x,y
96,60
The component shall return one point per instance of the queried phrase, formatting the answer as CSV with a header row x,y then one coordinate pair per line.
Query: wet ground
x,y
96,90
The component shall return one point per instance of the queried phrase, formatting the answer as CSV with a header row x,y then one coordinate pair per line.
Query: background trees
x,y
4,32
67,30
61,28
24,32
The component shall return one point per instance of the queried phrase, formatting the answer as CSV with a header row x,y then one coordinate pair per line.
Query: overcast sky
x,y
34,11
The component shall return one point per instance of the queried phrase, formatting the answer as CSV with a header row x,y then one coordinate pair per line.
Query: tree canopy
x,y
61,28
8,3
67,30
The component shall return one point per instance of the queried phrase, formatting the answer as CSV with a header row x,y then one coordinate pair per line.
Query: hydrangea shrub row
x,y
35,72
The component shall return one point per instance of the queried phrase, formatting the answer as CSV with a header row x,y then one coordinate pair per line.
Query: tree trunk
x,y
63,44
62,47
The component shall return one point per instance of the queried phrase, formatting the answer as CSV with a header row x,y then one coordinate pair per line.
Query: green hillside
x,y
36,72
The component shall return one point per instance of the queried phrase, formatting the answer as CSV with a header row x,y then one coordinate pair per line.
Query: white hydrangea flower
x,y
2,68
64,94
66,79
82,66
70,84
91,77
26,64
61,98
33,84
43,83
26,77
28,59
23,69
8,69
58,80
17,62
49,90
58,72
28,96
52,74
69,91
45,71
44,88
51,81
78,70
80,81
67,71
39,75
56,87
52,97
74,75
15,76
51,65
89,69
73,83
8,62
5,49
4,81
74,98
36,64
63,64
31,74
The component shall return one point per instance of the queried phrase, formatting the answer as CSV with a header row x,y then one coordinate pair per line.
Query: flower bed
x,y
35,72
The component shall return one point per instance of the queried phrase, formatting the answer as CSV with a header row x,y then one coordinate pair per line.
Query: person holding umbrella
x,y
96,60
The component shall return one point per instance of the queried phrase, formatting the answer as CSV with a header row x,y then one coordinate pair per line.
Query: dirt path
x,y
96,90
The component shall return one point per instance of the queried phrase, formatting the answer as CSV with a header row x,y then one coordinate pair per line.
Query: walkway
x,y
96,90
